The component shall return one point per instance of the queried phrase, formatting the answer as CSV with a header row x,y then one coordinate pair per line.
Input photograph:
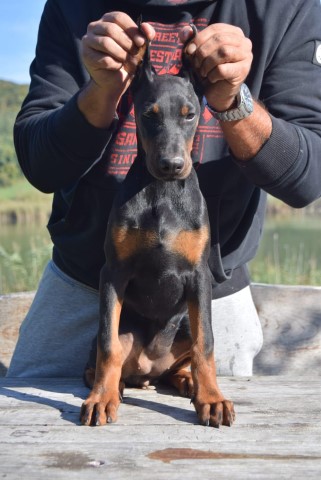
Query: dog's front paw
x,y
216,413
100,408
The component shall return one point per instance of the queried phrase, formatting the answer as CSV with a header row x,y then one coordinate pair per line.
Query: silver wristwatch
x,y
243,109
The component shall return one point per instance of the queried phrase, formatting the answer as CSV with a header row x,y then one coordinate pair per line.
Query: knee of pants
x,y
237,332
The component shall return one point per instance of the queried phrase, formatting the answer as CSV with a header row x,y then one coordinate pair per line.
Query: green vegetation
x,y
11,98
25,246
22,203
19,201
21,270
290,252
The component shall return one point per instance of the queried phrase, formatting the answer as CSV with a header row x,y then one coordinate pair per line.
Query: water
x,y
290,253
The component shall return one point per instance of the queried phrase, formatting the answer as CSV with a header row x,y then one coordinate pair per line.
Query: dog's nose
x,y
171,166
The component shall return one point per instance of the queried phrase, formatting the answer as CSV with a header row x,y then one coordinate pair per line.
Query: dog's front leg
x,y
102,403
210,405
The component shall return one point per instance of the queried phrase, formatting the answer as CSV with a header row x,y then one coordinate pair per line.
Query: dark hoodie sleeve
x,y
54,142
289,164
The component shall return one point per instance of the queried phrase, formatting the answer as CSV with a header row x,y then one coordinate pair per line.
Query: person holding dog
x,y
260,132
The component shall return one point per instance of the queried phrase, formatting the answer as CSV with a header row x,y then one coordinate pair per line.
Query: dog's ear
x,y
187,71
145,71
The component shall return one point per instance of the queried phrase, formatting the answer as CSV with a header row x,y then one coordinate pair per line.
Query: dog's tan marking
x,y
189,146
110,366
184,110
103,401
155,108
211,406
128,241
203,368
190,243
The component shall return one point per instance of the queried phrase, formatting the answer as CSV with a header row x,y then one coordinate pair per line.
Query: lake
x,y
290,253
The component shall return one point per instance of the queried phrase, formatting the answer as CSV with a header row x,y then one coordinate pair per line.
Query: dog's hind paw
x,y
182,381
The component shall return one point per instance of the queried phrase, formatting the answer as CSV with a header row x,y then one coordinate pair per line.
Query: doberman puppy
x,y
155,287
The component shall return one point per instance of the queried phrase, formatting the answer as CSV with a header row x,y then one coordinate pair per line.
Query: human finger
x,y
127,24
212,54
233,73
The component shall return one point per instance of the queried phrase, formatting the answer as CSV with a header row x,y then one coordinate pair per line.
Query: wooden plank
x,y
277,433
291,322
13,309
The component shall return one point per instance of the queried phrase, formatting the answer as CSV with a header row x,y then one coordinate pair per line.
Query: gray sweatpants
x,y
56,335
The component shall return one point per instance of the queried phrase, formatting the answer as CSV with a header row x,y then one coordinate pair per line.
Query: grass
x,y
21,202
21,266
290,253
21,191
21,271
294,269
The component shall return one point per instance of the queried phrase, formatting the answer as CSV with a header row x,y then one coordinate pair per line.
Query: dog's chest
x,y
161,222
186,243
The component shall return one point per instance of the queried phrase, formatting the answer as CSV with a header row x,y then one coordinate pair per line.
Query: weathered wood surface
x,y
13,309
291,322
277,434
290,317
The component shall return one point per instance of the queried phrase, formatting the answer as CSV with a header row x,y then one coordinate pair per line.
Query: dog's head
x,y
167,110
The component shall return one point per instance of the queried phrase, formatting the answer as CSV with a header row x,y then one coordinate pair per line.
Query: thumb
x,y
185,34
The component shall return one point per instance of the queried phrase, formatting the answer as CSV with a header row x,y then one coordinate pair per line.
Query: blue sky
x,y
19,21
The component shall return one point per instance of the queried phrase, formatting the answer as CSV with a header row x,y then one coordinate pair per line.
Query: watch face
x,y
246,98
243,110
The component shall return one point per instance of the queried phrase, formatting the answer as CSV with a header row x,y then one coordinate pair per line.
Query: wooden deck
x,y
277,434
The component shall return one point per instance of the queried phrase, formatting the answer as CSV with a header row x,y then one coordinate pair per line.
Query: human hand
x,y
222,57
112,49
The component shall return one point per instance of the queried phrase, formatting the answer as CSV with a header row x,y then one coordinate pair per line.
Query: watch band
x,y
244,107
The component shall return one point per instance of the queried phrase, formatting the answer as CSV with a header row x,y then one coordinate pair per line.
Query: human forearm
x,y
246,137
51,154
97,105
285,166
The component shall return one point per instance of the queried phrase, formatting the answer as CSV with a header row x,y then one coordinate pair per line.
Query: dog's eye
x,y
190,116
187,112
149,114
151,110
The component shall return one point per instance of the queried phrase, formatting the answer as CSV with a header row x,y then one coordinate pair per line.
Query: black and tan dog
x,y
155,288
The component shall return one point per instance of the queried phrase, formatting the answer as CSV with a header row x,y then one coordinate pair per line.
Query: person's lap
x,y
56,336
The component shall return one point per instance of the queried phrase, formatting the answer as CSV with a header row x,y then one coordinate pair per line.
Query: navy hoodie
x,y
60,152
